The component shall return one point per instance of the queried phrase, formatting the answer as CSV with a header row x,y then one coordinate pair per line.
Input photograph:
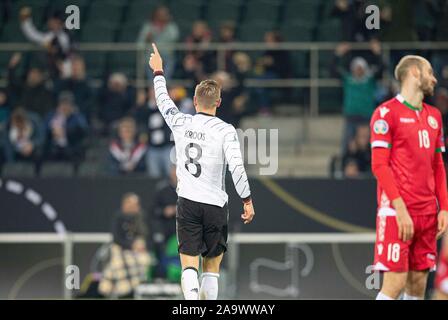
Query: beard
x,y
427,88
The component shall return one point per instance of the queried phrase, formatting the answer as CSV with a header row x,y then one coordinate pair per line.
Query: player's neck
x,y
412,96
210,112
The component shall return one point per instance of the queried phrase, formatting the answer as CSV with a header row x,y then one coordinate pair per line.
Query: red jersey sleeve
x,y
440,146
381,125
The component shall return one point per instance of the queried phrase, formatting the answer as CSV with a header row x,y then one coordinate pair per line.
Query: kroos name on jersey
x,y
195,135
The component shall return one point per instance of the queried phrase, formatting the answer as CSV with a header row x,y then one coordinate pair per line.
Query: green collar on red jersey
x,y
407,104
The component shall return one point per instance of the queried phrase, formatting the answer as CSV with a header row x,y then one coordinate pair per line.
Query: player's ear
x,y
195,103
218,103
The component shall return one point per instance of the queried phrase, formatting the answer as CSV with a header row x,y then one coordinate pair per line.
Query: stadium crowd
x,y
50,109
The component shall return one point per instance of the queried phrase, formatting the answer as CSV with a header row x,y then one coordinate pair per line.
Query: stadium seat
x,y
91,169
123,61
98,31
297,31
219,11
267,10
300,62
19,170
186,9
329,30
304,11
57,169
140,10
100,11
330,100
95,63
12,32
254,31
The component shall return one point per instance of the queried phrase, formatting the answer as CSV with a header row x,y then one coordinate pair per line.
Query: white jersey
x,y
205,146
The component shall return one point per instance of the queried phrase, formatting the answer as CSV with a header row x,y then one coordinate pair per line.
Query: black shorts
x,y
201,228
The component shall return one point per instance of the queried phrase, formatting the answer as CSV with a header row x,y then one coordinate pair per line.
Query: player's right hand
x,y
155,61
404,221
24,13
249,212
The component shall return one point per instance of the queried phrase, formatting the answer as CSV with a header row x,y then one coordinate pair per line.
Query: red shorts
x,y
441,281
417,254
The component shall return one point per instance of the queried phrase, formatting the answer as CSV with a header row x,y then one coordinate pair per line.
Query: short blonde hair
x,y
405,63
207,93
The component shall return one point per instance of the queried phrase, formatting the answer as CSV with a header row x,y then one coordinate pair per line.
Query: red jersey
x,y
414,136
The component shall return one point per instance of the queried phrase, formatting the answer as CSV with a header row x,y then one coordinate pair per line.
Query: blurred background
x,y
86,177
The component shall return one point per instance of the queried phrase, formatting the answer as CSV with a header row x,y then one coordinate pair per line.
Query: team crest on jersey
x,y
380,127
433,122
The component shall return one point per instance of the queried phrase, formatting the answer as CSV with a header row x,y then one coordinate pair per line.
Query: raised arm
x,y
232,153
29,28
167,107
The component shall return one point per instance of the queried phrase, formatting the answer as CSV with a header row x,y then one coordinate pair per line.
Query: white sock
x,y
209,286
382,296
190,284
409,297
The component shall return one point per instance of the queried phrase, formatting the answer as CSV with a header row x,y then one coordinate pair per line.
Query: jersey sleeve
x,y
440,144
173,117
381,125
232,154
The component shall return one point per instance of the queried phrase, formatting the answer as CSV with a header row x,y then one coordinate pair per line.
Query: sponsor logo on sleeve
x,y
380,127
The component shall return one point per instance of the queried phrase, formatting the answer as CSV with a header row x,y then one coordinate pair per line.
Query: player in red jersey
x,y
441,281
407,141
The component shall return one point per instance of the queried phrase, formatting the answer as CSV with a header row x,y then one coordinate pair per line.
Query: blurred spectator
x,y
115,100
65,129
397,21
78,84
192,69
202,35
163,31
352,16
234,98
55,40
129,258
5,107
180,97
227,35
359,87
356,159
158,161
273,64
126,152
163,222
30,93
24,137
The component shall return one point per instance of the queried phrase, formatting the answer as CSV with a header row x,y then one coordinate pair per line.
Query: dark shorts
x,y
201,228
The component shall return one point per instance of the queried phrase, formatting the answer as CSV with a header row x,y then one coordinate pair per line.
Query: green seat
x,y
97,32
219,11
262,10
186,9
330,100
301,63
305,11
297,31
125,62
129,33
254,31
95,63
329,30
141,10
101,11
12,32
326,58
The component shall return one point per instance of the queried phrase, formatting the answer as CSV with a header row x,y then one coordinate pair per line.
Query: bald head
x,y
417,72
407,63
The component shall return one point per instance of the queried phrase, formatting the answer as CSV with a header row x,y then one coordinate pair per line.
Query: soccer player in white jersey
x,y
205,146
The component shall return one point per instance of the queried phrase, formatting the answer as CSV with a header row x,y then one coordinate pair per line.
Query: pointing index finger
x,y
154,47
